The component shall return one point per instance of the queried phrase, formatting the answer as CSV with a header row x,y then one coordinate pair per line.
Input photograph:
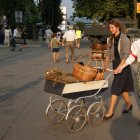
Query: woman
x,y
7,33
117,51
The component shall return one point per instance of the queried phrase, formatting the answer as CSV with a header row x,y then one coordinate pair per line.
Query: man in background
x,y
70,37
48,34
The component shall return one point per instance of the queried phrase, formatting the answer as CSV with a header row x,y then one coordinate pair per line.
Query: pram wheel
x,y
56,111
96,113
76,118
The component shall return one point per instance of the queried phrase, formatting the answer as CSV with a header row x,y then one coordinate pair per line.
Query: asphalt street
x,y
23,101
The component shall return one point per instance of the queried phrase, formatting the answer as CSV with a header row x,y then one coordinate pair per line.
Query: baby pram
x,y
76,112
14,43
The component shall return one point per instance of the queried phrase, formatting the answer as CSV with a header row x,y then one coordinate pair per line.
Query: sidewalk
x,y
31,43
37,43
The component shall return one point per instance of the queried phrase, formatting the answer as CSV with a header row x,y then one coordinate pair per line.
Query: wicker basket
x,y
85,72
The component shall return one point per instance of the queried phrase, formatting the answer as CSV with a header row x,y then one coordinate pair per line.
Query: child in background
x,y
55,45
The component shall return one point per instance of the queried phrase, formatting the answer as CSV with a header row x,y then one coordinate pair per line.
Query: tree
x,y
102,9
51,13
110,9
84,8
28,8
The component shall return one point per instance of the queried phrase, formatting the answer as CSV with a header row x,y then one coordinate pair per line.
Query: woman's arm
x,y
119,68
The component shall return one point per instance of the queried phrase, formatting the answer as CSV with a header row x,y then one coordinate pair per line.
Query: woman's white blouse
x,y
135,52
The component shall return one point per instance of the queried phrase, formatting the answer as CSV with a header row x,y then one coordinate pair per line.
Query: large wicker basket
x,y
85,72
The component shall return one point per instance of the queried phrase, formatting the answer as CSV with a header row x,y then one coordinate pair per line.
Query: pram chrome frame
x,y
75,111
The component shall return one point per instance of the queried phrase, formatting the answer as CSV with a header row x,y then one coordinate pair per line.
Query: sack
x,y
100,72
85,72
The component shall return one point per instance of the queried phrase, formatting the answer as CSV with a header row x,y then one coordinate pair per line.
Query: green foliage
x,y
29,10
110,9
83,8
80,25
53,15
47,11
103,9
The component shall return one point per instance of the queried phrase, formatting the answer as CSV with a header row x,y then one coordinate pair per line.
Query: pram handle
x,y
94,95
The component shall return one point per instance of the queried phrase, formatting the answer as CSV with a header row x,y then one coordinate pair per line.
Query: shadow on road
x,y
19,90
125,127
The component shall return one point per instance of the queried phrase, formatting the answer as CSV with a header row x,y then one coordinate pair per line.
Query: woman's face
x,y
114,30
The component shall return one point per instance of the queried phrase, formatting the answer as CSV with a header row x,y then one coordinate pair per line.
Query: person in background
x,y
17,33
70,38
40,35
24,36
7,33
4,21
78,37
118,51
55,45
48,34
1,35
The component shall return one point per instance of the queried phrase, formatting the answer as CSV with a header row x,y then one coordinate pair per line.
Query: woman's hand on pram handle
x,y
118,70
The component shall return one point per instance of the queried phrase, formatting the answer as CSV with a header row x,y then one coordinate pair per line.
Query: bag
x,y
85,72
100,72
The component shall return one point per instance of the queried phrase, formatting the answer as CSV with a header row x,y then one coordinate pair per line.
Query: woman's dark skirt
x,y
123,82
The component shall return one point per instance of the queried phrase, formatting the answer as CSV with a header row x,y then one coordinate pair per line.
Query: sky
x,y
68,4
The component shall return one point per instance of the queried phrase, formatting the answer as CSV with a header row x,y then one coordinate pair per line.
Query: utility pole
x,y
135,14
42,12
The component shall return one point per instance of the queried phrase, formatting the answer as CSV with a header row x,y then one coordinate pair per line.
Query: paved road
x,y
23,101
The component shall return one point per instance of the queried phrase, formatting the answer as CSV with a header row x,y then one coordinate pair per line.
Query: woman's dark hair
x,y
117,24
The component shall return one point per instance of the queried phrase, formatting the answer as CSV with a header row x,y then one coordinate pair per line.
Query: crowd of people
x,y
71,38
6,33
18,34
